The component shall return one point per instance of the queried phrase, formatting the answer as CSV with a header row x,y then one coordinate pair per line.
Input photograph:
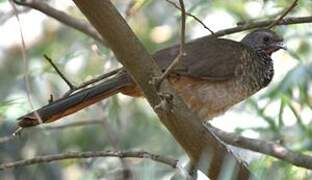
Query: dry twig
x,y
71,86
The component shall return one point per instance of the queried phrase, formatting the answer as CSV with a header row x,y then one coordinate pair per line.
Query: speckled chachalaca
x,y
214,75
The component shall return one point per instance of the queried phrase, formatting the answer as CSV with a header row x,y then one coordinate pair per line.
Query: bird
x,y
213,75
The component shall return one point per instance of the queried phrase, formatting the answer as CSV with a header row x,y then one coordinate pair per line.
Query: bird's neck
x,y
264,64
259,72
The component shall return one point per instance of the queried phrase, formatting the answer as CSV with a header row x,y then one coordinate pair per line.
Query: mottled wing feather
x,y
206,58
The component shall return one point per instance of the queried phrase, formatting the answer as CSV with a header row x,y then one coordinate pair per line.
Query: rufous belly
x,y
209,98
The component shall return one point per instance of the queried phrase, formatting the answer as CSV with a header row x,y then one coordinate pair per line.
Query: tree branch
x,y
70,85
192,136
90,154
262,24
268,148
85,27
284,14
62,17
264,147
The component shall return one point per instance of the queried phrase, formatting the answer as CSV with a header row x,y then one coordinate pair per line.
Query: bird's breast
x,y
210,98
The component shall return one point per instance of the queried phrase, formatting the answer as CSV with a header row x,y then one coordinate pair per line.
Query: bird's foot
x,y
165,103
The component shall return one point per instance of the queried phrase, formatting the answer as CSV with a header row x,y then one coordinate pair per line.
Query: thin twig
x,y
191,15
80,25
284,14
90,154
71,86
23,51
264,147
262,24
181,50
25,61
270,16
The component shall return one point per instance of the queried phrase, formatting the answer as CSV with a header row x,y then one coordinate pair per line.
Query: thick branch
x,y
184,125
90,154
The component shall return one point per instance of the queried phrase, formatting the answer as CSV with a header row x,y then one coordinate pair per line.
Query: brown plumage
x,y
214,75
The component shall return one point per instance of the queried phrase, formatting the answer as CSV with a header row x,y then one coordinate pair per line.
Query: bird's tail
x,y
75,102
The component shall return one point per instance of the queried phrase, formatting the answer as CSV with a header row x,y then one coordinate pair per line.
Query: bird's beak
x,y
279,45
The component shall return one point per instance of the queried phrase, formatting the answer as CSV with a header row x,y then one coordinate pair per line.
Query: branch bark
x,y
90,154
184,125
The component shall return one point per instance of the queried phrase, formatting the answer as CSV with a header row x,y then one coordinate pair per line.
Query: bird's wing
x,y
206,58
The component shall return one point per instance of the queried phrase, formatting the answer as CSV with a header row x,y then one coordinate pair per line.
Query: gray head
x,y
263,39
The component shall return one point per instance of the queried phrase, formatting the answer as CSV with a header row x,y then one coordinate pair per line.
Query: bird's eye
x,y
266,39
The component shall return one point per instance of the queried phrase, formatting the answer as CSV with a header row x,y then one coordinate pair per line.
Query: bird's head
x,y
264,39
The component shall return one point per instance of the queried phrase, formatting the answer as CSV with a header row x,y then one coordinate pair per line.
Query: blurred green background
x,y
280,113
